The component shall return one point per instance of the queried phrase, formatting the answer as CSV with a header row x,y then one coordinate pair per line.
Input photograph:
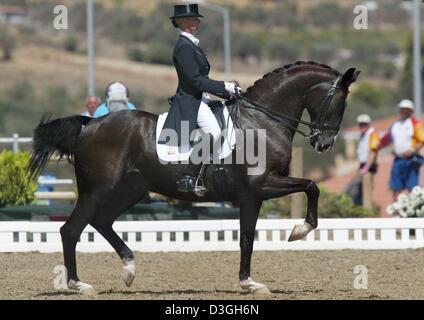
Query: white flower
x,y
403,213
402,198
408,205
397,206
391,209
416,191
415,199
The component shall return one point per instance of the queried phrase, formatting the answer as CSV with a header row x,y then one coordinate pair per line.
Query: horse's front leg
x,y
249,212
276,186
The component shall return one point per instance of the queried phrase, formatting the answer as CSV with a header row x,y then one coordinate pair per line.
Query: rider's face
x,y
189,24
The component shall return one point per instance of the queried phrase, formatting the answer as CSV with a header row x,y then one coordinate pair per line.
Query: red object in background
x,y
385,140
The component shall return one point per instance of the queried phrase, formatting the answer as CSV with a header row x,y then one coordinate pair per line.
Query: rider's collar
x,y
191,37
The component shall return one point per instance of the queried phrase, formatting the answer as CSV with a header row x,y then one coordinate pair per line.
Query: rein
x,y
315,127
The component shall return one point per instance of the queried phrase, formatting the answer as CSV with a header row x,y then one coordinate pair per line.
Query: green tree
x,y
15,186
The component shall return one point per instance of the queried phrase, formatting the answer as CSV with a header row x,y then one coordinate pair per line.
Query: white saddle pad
x,y
173,154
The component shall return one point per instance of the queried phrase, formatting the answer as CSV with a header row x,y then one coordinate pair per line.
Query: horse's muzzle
x,y
322,144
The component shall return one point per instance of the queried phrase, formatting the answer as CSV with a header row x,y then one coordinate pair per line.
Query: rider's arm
x,y
185,57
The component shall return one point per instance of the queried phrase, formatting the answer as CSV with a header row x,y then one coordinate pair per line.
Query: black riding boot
x,y
188,182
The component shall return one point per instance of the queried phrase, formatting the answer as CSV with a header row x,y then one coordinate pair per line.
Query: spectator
x,y
367,151
368,143
407,137
91,104
117,95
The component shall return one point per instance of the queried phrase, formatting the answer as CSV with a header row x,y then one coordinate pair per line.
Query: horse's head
x,y
326,103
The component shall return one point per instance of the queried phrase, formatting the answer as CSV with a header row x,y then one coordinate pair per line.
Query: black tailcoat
x,y
193,69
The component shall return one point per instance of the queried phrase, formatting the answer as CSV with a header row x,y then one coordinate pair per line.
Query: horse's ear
x,y
349,77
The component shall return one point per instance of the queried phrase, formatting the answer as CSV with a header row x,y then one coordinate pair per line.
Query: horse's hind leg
x,y
70,233
123,196
125,253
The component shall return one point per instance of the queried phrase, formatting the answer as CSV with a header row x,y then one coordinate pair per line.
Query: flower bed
x,y
408,205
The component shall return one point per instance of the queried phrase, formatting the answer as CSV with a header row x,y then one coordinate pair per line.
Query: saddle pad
x,y
173,154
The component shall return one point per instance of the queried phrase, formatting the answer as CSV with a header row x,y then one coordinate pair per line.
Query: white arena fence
x,y
221,235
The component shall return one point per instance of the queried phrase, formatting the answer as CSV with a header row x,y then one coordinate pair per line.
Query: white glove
x,y
232,88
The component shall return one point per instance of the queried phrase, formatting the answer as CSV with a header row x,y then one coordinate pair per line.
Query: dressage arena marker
x,y
221,235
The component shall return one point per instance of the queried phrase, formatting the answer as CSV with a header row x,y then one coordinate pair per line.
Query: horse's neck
x,y
278,98
286,99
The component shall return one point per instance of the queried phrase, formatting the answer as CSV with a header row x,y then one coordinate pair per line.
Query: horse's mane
x,y
286,67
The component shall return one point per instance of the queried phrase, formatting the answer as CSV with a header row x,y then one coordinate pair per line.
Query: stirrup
x,y
199,186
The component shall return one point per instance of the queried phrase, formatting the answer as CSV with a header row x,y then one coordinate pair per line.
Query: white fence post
x,y
156,236
15,142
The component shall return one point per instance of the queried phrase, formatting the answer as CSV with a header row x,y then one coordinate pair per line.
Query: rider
x,y
117,95
190,102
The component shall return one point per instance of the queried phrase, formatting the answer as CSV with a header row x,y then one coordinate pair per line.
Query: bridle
x,y
317,127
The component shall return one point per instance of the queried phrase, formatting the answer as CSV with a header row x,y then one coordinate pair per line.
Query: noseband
x,y
317,127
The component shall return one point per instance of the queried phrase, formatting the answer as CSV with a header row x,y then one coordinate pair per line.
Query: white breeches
x,y
207,121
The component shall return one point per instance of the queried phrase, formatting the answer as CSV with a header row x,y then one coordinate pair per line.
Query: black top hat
x,y
185,10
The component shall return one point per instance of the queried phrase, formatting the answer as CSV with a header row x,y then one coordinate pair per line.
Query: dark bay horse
x,y
116,162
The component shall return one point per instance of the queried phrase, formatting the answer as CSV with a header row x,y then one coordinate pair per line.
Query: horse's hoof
x,y
128,272
254,287
300,231
127,276
83,288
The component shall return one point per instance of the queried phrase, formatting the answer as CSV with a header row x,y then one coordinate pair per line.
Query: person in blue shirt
x,y
117,95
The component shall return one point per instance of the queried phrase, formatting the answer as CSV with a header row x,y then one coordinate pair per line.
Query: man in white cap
x,y
367,150
407,137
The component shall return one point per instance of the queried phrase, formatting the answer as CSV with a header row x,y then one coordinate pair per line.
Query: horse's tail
x,y
54,135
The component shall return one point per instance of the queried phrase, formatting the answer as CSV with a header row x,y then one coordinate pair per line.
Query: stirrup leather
x,y
199,187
